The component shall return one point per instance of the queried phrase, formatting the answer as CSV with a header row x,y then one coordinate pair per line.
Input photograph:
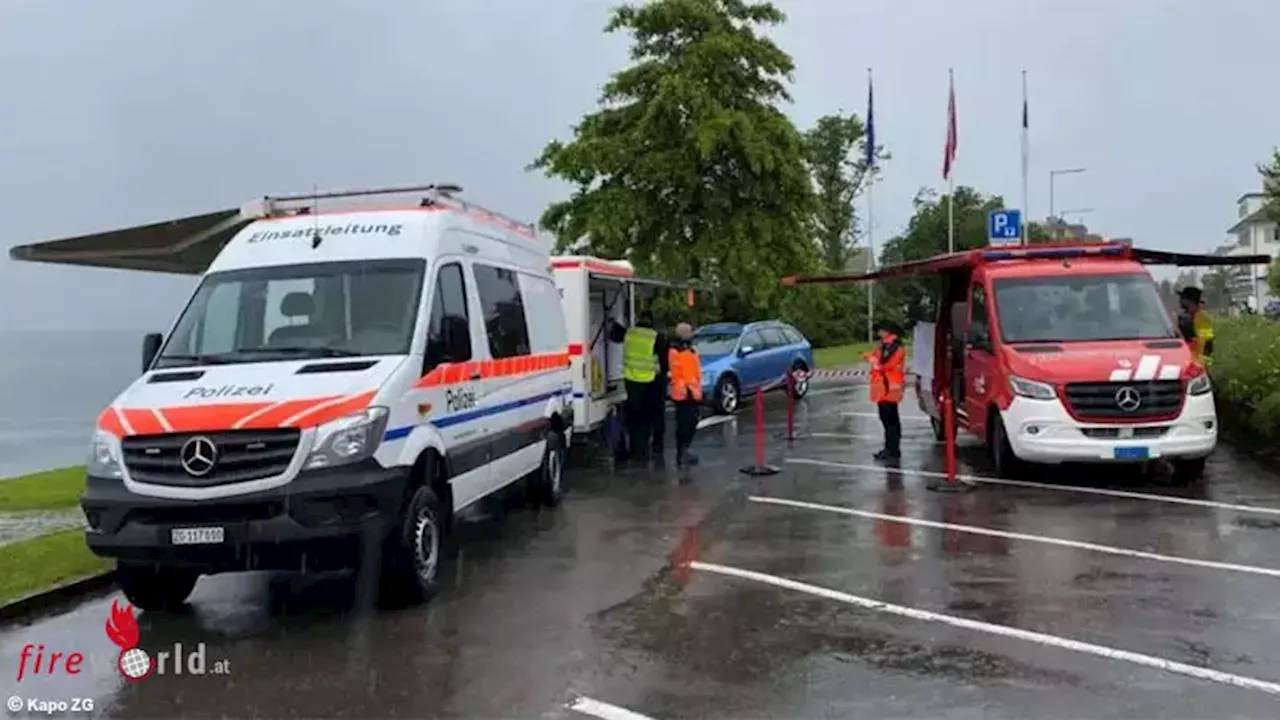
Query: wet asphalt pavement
x,y
596,599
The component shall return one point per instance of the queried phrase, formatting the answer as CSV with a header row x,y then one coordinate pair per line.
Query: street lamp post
x,y
1053,174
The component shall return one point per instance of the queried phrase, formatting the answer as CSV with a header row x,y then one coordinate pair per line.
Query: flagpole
x,y
951,173
871,258
1026,160
869,140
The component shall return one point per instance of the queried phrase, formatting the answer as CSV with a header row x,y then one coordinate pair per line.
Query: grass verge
x,y
35,565
841,355
48,490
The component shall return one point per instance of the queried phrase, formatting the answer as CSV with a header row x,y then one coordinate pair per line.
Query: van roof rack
x,y
433,195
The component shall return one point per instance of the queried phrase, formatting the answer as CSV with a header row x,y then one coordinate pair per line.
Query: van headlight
x,y
1031,388
104,457
1199,385
348,439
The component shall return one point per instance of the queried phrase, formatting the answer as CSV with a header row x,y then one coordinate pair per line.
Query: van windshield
x,y
1081,308
338,309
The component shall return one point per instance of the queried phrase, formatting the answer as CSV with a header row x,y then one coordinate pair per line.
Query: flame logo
x,y
133,662
122,628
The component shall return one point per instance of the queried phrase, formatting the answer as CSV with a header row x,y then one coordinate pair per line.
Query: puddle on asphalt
x,y
15,527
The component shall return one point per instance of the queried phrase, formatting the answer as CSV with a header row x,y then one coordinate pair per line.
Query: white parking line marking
x,y
1056,641
714,420
859,436
1063,542
1047,486
923,418
603,710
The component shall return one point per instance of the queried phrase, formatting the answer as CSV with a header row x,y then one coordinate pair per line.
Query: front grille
x,y
1112,433
242,455
1157,398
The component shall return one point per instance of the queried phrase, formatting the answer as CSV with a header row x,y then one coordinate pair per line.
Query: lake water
x,y
52,387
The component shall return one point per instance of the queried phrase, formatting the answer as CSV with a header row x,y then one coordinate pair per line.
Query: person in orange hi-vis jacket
x,y
888,382
685,375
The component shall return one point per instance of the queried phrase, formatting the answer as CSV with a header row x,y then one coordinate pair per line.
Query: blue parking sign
x,y
1004,227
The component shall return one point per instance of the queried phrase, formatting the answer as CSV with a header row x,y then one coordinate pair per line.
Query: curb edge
x,y
46,600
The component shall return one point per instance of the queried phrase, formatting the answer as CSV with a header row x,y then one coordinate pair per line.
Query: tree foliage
x,y
1273,277
912,300
689,168
836,151
1271,183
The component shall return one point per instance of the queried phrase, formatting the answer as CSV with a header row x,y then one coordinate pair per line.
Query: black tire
x,y
799,379
155,588
728,395
546,485
1188,471
415,552
1006,464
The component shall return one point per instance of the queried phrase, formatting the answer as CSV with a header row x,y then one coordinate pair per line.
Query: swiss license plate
x,y
1132,453
197,536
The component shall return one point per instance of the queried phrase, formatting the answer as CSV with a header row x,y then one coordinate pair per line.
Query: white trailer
x,y
598,295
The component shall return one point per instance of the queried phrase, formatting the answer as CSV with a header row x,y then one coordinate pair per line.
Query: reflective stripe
x,y
639,360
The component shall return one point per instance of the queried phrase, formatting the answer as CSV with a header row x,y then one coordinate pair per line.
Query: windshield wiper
x,y
318,352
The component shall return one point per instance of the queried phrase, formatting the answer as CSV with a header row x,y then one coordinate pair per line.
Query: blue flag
x,y
871,126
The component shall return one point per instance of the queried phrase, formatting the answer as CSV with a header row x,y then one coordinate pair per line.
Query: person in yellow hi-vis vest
x,y
644,371
1196,325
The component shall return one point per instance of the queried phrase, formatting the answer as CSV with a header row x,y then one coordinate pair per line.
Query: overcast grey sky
x,y
127,112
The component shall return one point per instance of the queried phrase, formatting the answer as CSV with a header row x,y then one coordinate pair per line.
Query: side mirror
x,y
977,337
746,350
150,348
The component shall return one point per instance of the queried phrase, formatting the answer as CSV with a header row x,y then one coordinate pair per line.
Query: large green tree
x,y
912,300
689,168
836,150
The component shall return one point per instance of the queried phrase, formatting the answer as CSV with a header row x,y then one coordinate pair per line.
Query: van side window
x,y
978,311
544,311
503,307
449,332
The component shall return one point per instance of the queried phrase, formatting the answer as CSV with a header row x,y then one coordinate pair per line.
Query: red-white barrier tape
x,y
831,374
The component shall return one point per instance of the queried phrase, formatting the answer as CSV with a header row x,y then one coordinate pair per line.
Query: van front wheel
x,y
546,487
1007,464
411,560
155,588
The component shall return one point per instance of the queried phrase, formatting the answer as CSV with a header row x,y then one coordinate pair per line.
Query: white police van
x,y
351,371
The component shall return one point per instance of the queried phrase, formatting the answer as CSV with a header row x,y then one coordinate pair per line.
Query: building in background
x,y
1056,230
1255,233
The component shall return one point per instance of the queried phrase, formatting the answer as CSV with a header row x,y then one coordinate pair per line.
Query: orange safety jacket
x,y
888,371
685,373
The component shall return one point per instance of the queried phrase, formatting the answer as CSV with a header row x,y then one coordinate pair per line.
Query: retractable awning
x,y
183,246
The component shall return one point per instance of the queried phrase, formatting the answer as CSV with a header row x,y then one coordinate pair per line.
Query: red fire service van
x,y
1062,353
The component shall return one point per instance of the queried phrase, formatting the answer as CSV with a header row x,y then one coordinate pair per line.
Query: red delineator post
x,y
951,484
791,407
760,468
949,431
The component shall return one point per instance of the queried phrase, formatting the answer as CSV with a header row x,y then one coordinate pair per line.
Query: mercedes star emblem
x,y
1128,399
198,456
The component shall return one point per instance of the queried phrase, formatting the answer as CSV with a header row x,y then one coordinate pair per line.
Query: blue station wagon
x,y
737,359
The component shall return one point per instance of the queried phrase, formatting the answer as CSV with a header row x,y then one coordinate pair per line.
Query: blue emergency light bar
x,y
1053,253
